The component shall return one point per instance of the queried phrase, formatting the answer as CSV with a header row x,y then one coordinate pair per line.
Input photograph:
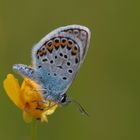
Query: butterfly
x,y
56,59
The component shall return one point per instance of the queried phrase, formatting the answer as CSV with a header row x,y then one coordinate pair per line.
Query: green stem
x,y
33,130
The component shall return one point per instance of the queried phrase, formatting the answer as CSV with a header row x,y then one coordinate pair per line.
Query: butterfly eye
x,y
63,99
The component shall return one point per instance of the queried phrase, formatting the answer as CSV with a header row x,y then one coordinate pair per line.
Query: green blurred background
x,y
108,82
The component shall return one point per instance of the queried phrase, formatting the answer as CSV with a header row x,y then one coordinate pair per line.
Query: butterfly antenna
x,y
80,107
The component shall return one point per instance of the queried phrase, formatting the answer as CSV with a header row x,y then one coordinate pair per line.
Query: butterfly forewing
x,y
57,57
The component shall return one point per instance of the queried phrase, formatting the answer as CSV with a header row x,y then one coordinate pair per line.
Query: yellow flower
x,y
28,99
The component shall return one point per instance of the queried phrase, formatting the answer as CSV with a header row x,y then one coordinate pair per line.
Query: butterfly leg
x,y
25,71
45,102
49,106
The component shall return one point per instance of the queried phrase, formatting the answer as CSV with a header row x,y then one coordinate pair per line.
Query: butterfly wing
x,y
58,56
80,33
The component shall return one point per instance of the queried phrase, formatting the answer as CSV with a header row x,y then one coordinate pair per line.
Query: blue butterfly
x,y
56,59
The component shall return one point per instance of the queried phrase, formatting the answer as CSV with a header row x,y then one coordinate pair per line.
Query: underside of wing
x,y
57,57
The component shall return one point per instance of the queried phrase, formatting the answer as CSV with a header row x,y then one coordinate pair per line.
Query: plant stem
x,y
33,130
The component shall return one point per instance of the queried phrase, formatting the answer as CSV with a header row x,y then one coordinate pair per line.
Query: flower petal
x,y
51,109
48,112
44,118
27,117
12,89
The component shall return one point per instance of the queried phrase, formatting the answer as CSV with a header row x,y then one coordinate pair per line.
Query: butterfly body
x,y
56,60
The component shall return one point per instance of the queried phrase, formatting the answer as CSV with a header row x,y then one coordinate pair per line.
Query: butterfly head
x,y
64,100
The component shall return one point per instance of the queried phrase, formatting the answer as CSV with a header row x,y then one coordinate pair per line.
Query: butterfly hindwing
x,y
58,55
